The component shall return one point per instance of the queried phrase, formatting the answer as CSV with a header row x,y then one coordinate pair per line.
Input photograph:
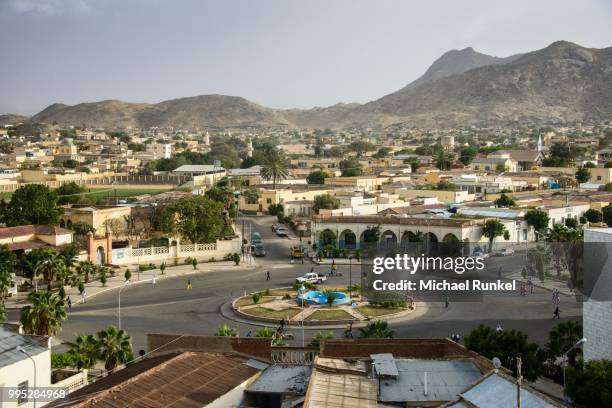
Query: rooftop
x,y
198,168
9,341
282,379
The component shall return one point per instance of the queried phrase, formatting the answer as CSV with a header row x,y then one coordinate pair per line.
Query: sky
x,y
278,53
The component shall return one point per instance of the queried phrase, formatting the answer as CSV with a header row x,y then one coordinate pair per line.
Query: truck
x,y
297,252
311,277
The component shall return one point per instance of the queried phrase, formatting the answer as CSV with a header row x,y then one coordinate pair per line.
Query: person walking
x,y
189,286
153,280
446,303
267,275
69,301
499,328
556,314
84,296
249,334
530,284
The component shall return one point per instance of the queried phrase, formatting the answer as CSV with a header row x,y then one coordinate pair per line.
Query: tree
x,y
82,228
317,177
226,331
162,267
593,215
32,204
606,214
590,385
466,155
325,201
197,218
266,332
83,351
276,209
316,339
382,153
44,315
327,237
372,234
114,347
350,167
563,338
128,274
361,147
51,265
506,345
444,161
504,201
571,223
378,329
608,165
85,269
69,193
274,166
493,229
583,175
589,165
606,187
538,219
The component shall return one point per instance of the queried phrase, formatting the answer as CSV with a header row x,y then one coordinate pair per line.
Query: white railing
x,y
198,247
136,252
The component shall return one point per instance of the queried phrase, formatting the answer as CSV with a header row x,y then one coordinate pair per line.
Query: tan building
x,y
364,183
267,197
112,219
600,175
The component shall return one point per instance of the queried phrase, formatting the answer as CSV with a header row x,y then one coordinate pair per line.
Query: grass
x,y
273,314
123,192
330,314
248,301
372,311
6,195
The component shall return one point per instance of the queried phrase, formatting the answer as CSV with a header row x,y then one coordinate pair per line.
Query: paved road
x,y
169,307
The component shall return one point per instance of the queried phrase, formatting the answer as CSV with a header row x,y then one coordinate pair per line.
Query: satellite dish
x,y
496,362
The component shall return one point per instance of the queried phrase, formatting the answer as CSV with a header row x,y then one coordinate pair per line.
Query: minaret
x,y
250,148
540,144
207,139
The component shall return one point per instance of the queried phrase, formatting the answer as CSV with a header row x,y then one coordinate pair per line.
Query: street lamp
x,y
22,350
581,341
127,282
350,257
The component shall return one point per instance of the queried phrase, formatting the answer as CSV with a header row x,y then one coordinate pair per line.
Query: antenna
x,y
519,379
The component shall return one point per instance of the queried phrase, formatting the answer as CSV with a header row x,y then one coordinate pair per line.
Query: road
x,y
169,307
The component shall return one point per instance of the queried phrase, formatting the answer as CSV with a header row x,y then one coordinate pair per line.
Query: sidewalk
x,y
548,283
94,287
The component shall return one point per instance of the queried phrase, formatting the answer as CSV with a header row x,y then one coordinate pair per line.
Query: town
x,y
445,245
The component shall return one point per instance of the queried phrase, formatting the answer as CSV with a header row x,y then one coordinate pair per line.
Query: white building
x,y
160,150
558,214
597,310
18,356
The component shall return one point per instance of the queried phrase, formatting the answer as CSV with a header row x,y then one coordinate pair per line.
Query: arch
x,y
62,223
451,245
431,237
347,239
100,256
388,239
327,237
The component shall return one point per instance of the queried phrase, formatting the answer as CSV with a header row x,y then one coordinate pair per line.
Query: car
x,y
282,232
258,249
479,253
311,277
505,252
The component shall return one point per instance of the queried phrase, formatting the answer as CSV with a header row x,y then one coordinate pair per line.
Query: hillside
x,y
562,82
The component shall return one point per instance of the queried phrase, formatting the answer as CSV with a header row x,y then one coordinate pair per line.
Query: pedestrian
x,y
282,324
267,275
499,328
189,286
530,283
249,334
153,280
311,269
454,337
499,273
84,296
69,301
458,338
556,314
446,302
523,289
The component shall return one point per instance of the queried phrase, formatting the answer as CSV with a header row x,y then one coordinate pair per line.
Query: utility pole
x,y
519,380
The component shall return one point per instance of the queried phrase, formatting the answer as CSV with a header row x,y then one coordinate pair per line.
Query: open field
x,y
330,314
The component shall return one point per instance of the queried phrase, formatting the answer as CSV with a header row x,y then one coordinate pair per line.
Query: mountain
x,y
562,82
11,119
457,62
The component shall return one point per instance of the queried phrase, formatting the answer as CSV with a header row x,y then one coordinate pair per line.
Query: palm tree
x,y
85,269
84,351
563,338
51,266
44,315
274,166
114,347
377,330
226,331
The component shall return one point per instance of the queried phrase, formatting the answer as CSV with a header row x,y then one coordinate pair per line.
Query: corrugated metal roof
x,y
384,365
497,391
491,212
340,391
282,379
196,168
9,341
445,380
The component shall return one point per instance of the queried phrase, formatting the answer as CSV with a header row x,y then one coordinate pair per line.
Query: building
x,y
597,310
448,143
22,358
483,185
263,198
160,150
525,159
202,174
600,175
27,237
108,218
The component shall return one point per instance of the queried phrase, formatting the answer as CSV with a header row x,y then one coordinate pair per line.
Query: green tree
x,y
606,187
276,209
466,155
382,153
583,175
316,339
445,160
350,167
128,274
325,201
506,345
361,147
82,228
606,214
114,347
317,177
274,166
593,215
608,165
44,315
226,331
538,219
493,229
562,338
196,218
51,266
266,332
83,351
504,201
85,269
372,234
590,385
33,204
327,237
378,329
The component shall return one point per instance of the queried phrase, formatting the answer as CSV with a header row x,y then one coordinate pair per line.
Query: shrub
x,y
162,267
256,297
236,258
267,332
128,274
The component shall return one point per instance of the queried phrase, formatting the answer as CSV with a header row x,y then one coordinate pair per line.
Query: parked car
x,y
505,252
312,278
282,232
479,253
256,238
258,249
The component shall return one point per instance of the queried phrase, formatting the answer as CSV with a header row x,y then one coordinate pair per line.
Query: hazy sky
x,y
279,53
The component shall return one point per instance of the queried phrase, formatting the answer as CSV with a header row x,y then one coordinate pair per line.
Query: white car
x,y
312,278
282,232
506,252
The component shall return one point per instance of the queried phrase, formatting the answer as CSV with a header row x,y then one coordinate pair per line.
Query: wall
x,y
164,343
23,370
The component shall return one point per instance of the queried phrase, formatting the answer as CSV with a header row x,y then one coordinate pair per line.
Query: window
x,y
598,177
269,200
22,387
